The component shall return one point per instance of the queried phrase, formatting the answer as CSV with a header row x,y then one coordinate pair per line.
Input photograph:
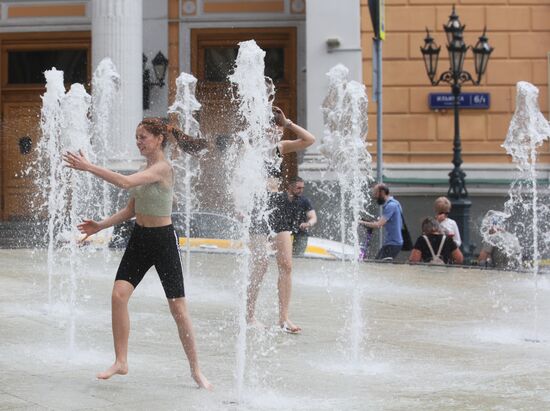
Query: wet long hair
x,y
159,126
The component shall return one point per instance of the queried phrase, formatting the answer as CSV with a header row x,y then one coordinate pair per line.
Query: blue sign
x,y
440,101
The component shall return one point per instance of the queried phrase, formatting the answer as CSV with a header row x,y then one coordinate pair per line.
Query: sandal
x,y
286,328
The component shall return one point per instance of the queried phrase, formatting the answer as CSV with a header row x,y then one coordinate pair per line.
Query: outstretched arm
x,y
374,224
90,227
78,161
304,137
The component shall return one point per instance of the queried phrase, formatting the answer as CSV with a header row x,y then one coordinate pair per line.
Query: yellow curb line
x,y
237,244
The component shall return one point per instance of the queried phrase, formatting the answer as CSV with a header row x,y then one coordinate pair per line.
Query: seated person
x,y
491,256
506,255
442,208
434,245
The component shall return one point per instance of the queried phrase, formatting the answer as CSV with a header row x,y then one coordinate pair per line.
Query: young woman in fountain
x,y
279,221
153,241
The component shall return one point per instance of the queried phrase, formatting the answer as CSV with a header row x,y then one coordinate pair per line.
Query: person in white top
x,y
442,207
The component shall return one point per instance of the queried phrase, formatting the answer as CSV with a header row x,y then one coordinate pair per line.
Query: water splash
x,y
69,196
105,94
49,166
65,126
186,104
249,178
528,127
344,146
75,135
527,213
528,130
495,233
186,167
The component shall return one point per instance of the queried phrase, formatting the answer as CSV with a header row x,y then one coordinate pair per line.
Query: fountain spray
x,y
249,180
105,87
185,106
343,145
528,130
68,196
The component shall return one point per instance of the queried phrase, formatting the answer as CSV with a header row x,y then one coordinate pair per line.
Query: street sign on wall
x,y
438,101
377,15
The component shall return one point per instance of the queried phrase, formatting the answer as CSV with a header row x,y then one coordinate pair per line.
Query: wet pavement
x,y
434,338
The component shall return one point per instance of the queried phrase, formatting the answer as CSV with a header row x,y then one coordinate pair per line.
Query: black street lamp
x,y
160,64
455,77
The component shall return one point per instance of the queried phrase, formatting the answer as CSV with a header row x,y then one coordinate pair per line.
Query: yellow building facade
x,y
519,31
193,35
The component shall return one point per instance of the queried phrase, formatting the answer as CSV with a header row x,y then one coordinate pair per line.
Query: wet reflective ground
x,y
435,338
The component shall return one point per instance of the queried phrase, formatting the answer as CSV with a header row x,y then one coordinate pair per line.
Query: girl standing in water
x,y
280,222
153,240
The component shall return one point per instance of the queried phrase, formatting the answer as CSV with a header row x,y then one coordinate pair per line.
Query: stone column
x,y
117,33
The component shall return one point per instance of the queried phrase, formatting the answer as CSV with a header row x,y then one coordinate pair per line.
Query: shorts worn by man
x,y
391,220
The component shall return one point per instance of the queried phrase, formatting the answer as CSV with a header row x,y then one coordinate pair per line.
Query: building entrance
x,y
213,54
24,58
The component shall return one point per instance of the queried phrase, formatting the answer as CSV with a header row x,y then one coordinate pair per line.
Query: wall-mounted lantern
x,y
160,64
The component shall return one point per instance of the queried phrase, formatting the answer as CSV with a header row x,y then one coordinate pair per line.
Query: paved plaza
x,y
434,338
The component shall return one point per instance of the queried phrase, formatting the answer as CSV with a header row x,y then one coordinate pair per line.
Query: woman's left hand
x,y
88,227
77,161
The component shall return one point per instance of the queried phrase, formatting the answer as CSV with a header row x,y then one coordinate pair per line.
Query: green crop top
x,y
153,199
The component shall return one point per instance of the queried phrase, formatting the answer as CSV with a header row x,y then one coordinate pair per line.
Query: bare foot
x,y
289,327
201,380
255,324
116,368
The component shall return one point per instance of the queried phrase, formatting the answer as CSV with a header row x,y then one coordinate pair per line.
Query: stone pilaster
x,y
117,33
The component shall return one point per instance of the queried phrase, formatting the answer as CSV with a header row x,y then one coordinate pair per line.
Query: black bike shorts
x,y
156,246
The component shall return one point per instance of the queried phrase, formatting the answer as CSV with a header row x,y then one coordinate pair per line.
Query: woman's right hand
x,y
76,160
279,116
88,227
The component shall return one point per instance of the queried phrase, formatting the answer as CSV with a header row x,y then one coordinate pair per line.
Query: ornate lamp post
x,y
455,77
